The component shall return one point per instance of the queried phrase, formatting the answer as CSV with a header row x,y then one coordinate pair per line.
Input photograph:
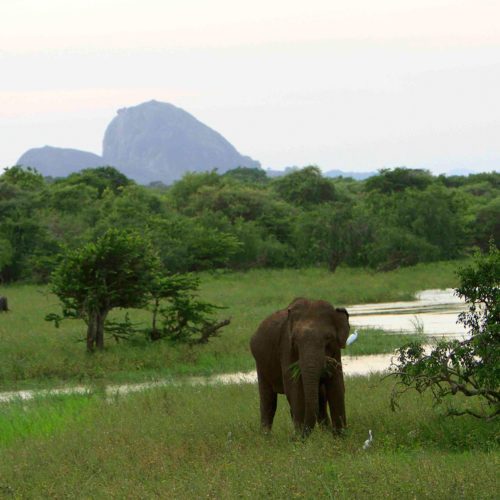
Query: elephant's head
x,y
316,330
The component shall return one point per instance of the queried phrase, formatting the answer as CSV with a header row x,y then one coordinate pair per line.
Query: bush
x,y
471,366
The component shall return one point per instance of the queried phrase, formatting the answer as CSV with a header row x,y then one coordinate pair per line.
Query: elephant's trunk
x,y
311,366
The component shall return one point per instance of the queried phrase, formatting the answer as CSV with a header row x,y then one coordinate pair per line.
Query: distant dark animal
x,y
3,303
306,334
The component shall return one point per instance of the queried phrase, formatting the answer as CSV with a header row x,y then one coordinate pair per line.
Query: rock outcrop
x,y
157,141
59,162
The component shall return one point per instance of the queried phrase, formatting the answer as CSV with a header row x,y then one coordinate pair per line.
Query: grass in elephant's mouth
x,y
204,442
328,369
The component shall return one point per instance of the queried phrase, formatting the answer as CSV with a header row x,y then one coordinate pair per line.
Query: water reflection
x,y
434,312
358,365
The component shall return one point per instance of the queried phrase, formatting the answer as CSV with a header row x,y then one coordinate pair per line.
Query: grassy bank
x,y
204,442
34,353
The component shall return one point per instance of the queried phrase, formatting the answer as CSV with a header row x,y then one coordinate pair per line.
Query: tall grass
x,y
44,416
204,442
34,353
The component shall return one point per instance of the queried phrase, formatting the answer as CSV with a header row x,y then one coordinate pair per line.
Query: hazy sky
x,y
351,85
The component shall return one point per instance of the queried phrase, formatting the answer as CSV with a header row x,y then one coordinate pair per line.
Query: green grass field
x,y
204,442
185,442
34,353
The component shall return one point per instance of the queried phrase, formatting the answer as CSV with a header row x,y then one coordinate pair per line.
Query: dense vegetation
x,y
242,219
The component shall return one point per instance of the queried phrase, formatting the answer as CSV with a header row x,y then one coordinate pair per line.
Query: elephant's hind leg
x,y
268,403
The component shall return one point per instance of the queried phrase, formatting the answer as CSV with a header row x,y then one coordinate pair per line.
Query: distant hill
x,y
59,162
359,176
157,141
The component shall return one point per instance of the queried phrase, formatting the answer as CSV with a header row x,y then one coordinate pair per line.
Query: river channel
x,y
433,313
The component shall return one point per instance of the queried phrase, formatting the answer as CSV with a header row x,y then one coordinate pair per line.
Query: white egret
x,y
352,337
368,442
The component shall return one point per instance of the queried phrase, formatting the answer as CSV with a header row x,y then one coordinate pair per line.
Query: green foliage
x,y
305,187
192,244
121,270
6,253
183,316
390,181
471,366
323,234
486,226
394,247
247,175
26,178
100,178
115,271
190,183
242,220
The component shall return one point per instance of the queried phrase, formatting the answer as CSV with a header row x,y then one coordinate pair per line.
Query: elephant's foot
x,y
339,432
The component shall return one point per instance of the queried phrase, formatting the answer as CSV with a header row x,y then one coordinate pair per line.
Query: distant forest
x,y
243,219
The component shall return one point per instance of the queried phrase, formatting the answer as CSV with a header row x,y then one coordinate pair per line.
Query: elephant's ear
x,y
342,327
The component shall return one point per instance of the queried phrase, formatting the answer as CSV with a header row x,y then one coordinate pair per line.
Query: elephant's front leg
x,y
295,396
335,393
323,399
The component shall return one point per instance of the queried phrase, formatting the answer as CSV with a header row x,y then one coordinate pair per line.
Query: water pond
x,y
433,312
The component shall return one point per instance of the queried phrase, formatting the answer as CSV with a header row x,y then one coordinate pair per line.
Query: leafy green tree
x,y
71,198
27,178
470,367
323,235
192,243
416,225
486,225
100,178
115,271
390,181
6,254
183,316
190,183
395,247
305,187
247,175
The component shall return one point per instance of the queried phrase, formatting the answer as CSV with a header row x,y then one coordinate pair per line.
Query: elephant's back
x,y
271,326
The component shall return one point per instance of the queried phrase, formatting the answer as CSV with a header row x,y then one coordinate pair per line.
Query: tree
x,y
305,187
399,179
115,271
27,179
184,317
247,175
323,234
472,366
100,178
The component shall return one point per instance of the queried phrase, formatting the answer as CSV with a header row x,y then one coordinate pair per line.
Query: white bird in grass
x,y
352,337
368,442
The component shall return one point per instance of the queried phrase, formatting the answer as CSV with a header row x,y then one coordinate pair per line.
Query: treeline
x,y
243,219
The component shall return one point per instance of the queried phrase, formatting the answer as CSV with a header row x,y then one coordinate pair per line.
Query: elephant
x,y
303,334
3,303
